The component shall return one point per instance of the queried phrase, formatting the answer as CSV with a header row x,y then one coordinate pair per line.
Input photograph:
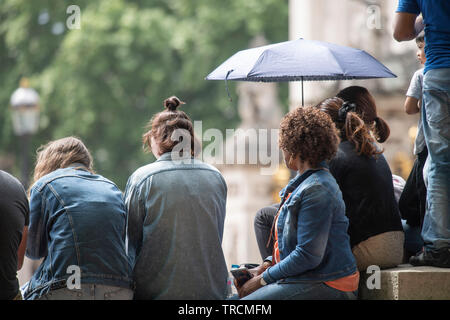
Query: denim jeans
x,y
300,291
90,292
436,125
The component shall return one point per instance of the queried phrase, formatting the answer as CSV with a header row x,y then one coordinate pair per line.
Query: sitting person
x,y
366,109
364,177
176,214
311,258
14,215
77,224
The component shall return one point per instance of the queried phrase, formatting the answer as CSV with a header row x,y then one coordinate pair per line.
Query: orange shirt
x,y
347,284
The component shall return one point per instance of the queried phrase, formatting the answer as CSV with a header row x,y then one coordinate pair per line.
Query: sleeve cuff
x,y
266,276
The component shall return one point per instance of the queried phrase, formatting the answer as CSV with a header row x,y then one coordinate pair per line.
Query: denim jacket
x,y
76,219
312,231
176,213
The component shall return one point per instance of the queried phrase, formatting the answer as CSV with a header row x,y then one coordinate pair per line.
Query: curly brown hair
x,y
310,134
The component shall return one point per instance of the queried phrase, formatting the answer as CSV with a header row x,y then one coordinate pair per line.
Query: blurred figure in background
x,y
14,218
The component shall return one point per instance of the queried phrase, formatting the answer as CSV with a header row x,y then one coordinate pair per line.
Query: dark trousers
x,y
412,201
263,224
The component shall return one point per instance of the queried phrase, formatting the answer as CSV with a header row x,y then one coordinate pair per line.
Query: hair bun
x,y
172,103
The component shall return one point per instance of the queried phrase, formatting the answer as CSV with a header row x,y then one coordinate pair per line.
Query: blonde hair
x,y
59,154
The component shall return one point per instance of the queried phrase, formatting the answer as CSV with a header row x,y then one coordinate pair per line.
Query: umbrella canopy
x,y
300,60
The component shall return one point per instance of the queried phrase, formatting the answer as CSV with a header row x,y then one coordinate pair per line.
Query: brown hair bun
x,y
172,103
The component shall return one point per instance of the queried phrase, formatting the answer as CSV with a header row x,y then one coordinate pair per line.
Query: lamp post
x,y
25,116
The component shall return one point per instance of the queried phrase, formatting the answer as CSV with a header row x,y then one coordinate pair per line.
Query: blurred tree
x,y
103,82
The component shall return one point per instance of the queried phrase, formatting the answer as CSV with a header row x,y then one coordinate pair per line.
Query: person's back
x,y
14,214
78,225
364,177
179,208
176,213
366,185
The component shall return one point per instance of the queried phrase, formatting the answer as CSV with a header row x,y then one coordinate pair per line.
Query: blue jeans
x,y
300,291
436,125
90,292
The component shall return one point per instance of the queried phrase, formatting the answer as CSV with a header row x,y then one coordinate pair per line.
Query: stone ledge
x,y
407,283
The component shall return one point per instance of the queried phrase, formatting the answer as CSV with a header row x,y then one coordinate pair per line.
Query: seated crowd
x,y
162,238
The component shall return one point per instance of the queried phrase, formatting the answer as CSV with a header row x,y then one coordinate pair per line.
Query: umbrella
x,y
300,60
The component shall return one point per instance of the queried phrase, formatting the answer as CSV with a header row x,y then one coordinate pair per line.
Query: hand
x,y
250,286
260,269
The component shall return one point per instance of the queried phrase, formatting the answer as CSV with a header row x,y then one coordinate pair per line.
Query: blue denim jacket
x,y
176,214
76,218
312,232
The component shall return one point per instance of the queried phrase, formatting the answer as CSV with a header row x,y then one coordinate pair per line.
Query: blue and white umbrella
x,y
300,60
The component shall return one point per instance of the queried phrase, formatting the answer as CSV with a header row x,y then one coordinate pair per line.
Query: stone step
x,y
405,283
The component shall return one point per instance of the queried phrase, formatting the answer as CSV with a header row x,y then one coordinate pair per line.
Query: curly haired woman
x,y
312,258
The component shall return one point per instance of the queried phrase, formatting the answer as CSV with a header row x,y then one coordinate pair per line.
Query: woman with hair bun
x,y
366,109
364,177
176,213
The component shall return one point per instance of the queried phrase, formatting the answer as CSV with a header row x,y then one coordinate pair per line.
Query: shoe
x,y
435,258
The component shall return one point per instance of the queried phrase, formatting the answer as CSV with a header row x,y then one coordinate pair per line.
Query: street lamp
x,y
25,116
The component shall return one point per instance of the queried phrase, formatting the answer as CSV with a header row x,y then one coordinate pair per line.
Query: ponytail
x,y
382,130
351,126
356,132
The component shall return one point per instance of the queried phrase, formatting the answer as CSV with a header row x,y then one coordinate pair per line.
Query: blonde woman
x,y
77,224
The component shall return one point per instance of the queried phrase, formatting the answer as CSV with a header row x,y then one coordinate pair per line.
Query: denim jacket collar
x,y
299,178
168,157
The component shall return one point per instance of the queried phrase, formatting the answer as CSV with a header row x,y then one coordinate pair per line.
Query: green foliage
x,y
105,81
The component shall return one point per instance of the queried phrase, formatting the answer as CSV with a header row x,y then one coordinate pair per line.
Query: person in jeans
x,y
435,114
77,224
176,213
413,198
14,217
365,180
311,256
